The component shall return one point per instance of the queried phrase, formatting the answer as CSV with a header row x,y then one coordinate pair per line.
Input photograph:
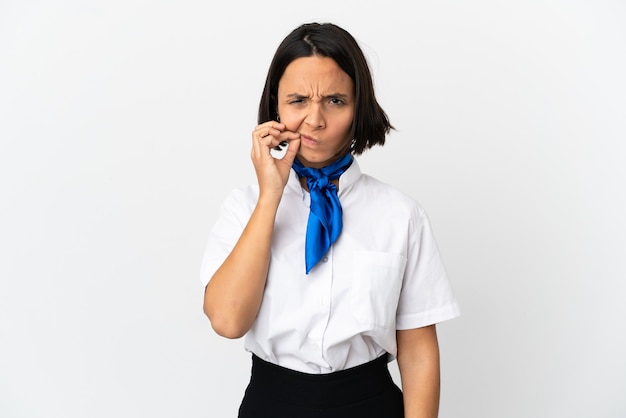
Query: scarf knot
x,y
325,213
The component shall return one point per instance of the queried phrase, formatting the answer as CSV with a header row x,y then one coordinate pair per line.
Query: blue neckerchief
x,y
325,223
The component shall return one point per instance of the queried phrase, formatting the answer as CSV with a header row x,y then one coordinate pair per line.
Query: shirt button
x,y
325,259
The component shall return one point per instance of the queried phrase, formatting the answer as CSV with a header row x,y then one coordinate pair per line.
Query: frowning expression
x,y
316,99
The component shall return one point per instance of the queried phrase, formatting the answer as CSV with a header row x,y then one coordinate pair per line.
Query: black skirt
x,y
365,391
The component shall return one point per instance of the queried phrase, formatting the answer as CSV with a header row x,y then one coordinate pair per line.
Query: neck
x,y
321,164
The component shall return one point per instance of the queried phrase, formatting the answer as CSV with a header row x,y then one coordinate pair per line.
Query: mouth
x,y
309,140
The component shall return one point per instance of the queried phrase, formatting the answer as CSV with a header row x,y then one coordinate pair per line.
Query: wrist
x,y
269,199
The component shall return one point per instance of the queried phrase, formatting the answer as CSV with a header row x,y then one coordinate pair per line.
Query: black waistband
x,y
357,383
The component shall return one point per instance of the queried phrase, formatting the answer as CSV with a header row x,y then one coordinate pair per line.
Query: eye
x,y
297,102
336,101
296,99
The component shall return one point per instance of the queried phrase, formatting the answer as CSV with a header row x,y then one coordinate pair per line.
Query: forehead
x,y
314,75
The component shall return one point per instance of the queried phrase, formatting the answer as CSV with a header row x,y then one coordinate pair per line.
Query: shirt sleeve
x,y
426,297
233,216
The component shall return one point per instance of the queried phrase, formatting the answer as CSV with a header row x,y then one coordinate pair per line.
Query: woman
x,y
328,272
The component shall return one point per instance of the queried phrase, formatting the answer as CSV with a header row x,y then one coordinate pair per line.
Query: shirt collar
x,y
349,176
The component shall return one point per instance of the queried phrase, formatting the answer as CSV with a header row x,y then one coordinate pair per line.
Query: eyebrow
x,y
326,96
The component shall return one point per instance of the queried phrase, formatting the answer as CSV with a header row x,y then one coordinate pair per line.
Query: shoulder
x,y
243,193
389,196
241,200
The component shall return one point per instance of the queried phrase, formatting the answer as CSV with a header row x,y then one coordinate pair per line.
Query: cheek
x,y
344,124
291,120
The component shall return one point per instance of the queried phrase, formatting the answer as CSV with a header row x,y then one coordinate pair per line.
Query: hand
x,y
272,173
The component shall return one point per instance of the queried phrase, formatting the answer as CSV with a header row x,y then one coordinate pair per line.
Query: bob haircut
x,y
370,124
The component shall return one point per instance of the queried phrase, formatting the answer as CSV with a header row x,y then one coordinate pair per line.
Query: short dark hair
x,y
370,124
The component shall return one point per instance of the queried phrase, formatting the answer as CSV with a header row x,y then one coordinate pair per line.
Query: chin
x,y
315,159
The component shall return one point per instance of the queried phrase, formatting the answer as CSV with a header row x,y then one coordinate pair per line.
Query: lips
x,y
308,140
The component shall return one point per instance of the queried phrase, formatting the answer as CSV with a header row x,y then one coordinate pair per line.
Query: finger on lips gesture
x,y
272,135
272,172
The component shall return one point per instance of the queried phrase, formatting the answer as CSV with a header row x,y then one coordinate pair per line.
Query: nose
x,y
315,117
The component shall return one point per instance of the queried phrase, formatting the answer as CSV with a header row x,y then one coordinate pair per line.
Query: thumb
x,y
292,151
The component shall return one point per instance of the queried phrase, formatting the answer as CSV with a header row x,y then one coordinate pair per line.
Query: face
x,y
316,99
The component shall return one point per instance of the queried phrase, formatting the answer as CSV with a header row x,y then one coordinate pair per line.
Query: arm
x,y
233,296
418,361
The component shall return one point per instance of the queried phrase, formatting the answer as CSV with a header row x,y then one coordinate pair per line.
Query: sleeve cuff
x,y
422,319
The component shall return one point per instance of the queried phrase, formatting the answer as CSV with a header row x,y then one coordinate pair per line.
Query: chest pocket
x,y
376,286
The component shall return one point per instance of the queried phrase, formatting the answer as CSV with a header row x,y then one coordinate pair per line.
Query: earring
x,y
277,118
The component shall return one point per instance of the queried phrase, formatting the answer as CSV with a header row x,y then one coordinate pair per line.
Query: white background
x,y
123,124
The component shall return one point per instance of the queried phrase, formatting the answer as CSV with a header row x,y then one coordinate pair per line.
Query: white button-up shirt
x,y
384,273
